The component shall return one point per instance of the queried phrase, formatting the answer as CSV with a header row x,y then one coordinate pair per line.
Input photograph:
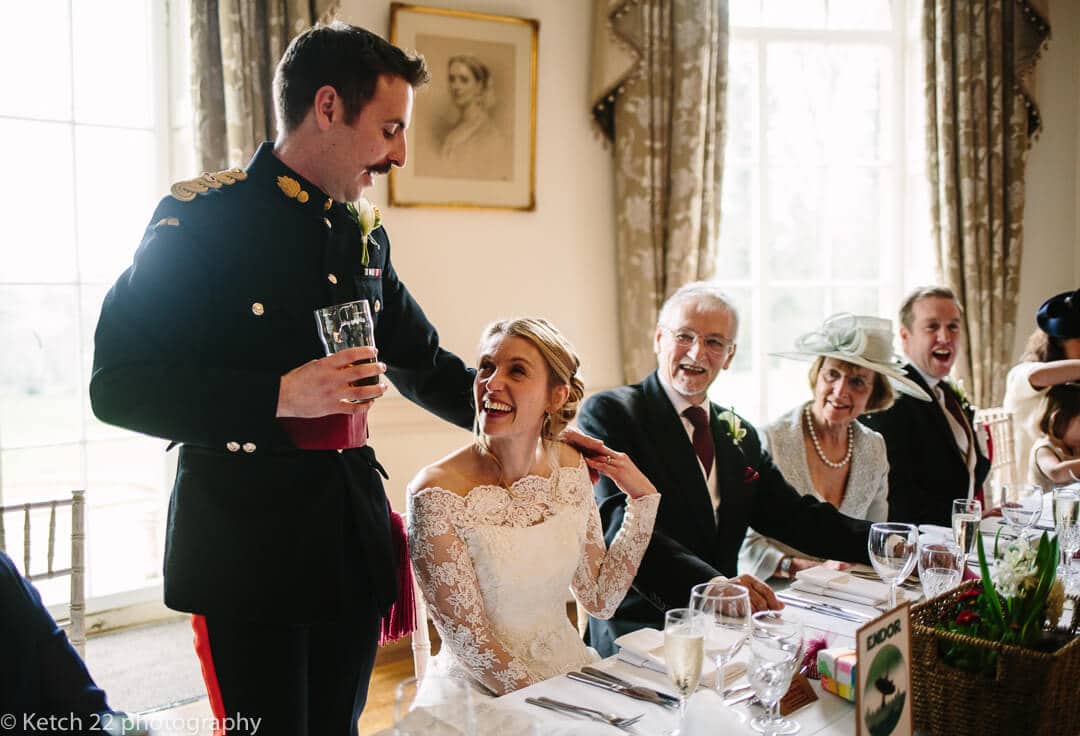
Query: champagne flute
x,y
684,652
1067,523
966,516
941,565
892,547
726,607
776,647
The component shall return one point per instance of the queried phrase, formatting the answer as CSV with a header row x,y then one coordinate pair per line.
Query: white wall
x,y
469,267
1051,259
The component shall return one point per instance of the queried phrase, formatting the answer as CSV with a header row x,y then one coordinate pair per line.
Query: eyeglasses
x,y
684,338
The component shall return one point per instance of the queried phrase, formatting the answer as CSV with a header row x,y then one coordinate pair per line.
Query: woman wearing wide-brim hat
x,y
819,446
1051,357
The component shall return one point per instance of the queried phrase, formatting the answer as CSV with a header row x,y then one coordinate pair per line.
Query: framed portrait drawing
x,y
472,142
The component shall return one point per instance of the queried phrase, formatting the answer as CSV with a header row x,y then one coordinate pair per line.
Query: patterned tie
x,y
702,439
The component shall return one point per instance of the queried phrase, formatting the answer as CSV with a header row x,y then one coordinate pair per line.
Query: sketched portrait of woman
x,y
469,139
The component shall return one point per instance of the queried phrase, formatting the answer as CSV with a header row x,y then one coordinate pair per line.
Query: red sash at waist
x,y
332,432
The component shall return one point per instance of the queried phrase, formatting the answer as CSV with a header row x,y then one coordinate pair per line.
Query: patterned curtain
x,y
659,80
981,120
235,47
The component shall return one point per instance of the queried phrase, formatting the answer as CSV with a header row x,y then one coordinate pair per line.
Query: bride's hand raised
x,y
621,469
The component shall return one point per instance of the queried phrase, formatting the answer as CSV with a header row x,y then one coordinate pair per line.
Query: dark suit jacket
x,y
40,673
926,469
689,546
191,345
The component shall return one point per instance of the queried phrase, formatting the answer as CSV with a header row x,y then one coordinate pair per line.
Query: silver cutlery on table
x,y
908,584
609,718
616,680
643,694
827,609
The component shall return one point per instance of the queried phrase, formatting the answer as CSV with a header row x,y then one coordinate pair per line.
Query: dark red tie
x,y
702,438
952,405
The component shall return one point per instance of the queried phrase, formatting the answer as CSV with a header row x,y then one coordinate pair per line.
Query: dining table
x,y
828,715
824,618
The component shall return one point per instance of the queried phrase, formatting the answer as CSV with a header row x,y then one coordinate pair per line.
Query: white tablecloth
x,y
828,716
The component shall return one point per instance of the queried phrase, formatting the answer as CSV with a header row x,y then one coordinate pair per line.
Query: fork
x,y
609,718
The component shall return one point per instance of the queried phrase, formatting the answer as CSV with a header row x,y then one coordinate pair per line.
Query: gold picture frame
x,y
472,141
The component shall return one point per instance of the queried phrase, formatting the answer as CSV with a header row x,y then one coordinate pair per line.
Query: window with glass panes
x,y
823,195
89,135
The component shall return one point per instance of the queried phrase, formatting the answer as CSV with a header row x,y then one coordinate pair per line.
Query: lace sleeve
x,y
448,581
604,574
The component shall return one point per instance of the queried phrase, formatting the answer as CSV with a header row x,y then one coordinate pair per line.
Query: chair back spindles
x,y
77,569
999,425
78,585
26,539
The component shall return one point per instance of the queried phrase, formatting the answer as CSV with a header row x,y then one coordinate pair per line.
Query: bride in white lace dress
x,y
500,529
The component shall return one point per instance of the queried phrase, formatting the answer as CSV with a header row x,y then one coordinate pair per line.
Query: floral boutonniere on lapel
x,y
735,431
369,219
957,389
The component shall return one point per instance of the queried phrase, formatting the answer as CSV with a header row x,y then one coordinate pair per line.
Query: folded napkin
x,y
645,648
935,531
841,585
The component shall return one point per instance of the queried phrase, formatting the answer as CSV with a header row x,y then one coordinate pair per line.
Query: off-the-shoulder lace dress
x,y
494,566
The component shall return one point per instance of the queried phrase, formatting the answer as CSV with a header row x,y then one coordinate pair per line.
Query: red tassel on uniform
x,y
400,620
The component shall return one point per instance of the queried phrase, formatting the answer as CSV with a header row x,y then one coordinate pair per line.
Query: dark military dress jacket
x,y
190,346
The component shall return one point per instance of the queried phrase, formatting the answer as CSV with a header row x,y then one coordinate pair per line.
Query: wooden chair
x,y
77,604
999,425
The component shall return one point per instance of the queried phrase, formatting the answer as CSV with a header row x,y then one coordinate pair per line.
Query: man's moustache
x,y
380,169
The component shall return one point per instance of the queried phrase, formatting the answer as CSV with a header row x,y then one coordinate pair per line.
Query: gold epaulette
x,y
185,191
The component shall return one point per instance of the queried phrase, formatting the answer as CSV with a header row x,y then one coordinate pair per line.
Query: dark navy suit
x,y
266,539
690,544
926,469
41,675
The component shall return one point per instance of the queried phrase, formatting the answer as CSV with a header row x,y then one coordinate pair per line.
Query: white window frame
x,y
896,252
168,26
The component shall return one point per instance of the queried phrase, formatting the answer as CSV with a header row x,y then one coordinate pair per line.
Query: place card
x,y
883,675
799,694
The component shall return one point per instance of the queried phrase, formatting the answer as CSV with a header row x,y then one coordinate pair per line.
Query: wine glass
x,y
776,647
966,517
726,608
1067,523
684,652
1021,513
892,547
941,565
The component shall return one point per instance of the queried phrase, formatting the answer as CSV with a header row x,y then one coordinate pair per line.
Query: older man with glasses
x,y
709,467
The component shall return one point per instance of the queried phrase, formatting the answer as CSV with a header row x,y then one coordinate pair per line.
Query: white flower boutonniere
x,y
736,431
369,218
957,388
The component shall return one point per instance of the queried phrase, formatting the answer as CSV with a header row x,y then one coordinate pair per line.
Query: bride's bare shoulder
x,y
455,473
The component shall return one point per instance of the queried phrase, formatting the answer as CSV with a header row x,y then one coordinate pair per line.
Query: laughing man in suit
x,y
934,455
708,465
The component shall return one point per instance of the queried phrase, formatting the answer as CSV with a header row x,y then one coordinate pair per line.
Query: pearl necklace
x,y
817,445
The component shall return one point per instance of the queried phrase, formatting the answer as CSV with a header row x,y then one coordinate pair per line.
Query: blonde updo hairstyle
x,y
562,363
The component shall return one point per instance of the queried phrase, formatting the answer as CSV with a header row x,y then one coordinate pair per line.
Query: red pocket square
x,y
750,475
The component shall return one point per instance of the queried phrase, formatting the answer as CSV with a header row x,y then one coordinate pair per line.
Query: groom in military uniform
x,y
279,538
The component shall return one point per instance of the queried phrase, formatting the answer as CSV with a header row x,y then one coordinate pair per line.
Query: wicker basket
x,y
1030,693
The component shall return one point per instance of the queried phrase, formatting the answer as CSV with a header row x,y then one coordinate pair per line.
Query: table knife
x,y
613,679
643,694
825,608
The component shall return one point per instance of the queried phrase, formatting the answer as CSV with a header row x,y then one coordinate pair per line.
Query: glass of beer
x,y
347,325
